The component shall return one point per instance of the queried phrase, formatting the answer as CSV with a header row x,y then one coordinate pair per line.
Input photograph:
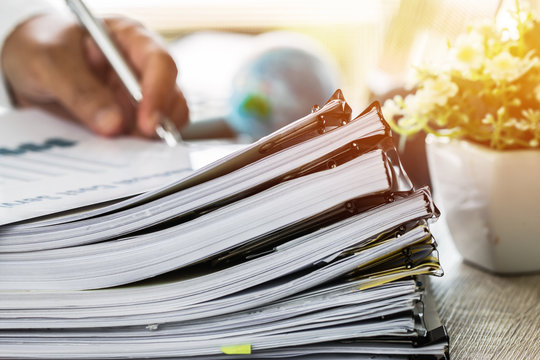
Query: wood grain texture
x,y
487,316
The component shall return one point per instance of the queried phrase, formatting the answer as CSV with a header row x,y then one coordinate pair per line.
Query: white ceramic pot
x,y
491,201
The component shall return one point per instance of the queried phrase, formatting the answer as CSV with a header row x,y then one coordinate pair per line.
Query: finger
x,y
87,98
178,110
155,67
158,85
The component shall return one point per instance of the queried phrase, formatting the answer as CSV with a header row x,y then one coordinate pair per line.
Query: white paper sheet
x,y
49,165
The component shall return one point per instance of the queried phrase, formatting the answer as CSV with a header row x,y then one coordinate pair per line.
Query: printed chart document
x,y
49,165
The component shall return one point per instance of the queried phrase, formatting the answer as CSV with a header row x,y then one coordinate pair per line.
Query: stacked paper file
x,y
310,243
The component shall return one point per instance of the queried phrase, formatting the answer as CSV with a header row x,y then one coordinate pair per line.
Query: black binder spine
x,y
429,318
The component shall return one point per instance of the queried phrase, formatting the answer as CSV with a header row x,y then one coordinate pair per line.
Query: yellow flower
x,y
420,103
439,89
504,66
532,116
500,74
486,28
468,52
488,119
537,92
522,125
391,109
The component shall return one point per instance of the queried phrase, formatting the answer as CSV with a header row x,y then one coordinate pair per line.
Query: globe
x,y
277,86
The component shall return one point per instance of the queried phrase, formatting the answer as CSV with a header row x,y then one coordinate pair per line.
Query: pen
x,y
166,130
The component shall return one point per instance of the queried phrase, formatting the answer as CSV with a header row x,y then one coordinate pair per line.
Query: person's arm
x,y
50,62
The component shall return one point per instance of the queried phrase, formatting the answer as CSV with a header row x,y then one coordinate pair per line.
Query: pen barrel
x,y
112,53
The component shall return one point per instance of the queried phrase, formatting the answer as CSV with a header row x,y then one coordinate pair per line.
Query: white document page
x,y
49,165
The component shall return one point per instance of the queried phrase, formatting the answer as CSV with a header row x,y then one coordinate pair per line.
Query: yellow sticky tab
x,y
243,349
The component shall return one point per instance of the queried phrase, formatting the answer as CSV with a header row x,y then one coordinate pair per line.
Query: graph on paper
x,y
48,165
35,161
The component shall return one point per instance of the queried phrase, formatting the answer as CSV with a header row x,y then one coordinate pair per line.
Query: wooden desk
x,y
487,316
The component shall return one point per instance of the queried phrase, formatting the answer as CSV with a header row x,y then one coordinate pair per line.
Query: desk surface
x,y
487,316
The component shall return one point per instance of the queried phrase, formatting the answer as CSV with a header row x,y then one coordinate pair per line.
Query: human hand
x,y
50,62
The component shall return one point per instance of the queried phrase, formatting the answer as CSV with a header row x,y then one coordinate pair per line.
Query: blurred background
x,y
248,67
373,43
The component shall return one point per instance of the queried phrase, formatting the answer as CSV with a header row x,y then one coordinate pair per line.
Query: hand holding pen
x,y
49,61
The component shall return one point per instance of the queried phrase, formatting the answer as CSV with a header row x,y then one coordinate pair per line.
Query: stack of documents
x,y
310,243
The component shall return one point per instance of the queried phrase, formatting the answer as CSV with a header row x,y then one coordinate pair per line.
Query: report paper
x,y
48,165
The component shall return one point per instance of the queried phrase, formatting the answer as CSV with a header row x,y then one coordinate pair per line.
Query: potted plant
x,y
481,112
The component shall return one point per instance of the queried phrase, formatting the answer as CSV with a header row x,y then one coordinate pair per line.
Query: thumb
x,y
90,101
